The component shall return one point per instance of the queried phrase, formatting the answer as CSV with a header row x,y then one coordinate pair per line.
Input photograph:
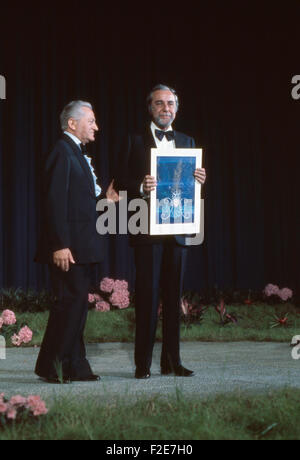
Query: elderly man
x,y
70,244
160,260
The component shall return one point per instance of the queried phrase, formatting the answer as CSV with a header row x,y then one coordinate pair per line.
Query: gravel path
x,y
219,367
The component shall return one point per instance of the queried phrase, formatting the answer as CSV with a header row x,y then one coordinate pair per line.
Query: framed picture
x,y
175,203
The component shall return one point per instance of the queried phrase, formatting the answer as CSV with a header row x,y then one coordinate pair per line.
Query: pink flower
x,y
120,285
120,299
3,407
98,298
271,289
36,405
17,401
94,298
1,322
11,413
15,340
25,334
8,317
91,298
285,294
107,285
102,306
33,403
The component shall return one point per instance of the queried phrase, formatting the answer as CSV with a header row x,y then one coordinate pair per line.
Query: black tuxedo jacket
x,y
69,206
138,161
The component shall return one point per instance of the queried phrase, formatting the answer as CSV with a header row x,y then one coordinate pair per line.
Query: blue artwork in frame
x,y
175,203
175,189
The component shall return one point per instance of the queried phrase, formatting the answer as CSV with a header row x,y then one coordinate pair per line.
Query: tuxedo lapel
x,y
180,141
82,161
149,143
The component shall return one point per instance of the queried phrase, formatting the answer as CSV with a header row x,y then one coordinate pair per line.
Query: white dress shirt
x,y
88,160
164,144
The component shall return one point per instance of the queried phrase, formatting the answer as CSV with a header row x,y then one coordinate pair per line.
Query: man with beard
x,y
160,260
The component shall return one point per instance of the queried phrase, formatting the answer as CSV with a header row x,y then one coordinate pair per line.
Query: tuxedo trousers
x,y
159,278
63,346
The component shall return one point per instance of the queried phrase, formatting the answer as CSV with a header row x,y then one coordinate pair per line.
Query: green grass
x,y
118,326
237,416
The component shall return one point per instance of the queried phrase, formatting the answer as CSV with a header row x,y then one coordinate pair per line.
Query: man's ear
x,y
72,124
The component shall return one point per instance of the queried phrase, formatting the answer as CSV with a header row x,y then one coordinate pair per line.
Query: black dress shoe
x,y
180,371
90,378
142,374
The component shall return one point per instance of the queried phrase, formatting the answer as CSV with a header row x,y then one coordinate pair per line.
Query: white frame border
x,y
177,228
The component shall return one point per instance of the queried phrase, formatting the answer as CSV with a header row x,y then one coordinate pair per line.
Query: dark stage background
x,y
231,64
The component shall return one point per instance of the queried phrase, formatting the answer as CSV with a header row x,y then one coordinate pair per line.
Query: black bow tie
x,y
160,134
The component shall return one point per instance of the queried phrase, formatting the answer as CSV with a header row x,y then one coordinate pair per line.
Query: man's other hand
x,y
62,259
149,184
111,193
200,175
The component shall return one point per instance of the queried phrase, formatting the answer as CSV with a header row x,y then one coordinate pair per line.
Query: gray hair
x,y
161,88
72,110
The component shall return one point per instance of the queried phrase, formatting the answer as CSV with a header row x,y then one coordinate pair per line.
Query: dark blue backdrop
x,y
232,66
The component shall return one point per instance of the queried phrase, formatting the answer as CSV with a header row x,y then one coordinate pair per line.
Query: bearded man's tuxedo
x,y
160,263
69,221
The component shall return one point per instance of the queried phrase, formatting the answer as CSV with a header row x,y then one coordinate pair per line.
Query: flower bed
x,y
18,407
112,294
9,327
